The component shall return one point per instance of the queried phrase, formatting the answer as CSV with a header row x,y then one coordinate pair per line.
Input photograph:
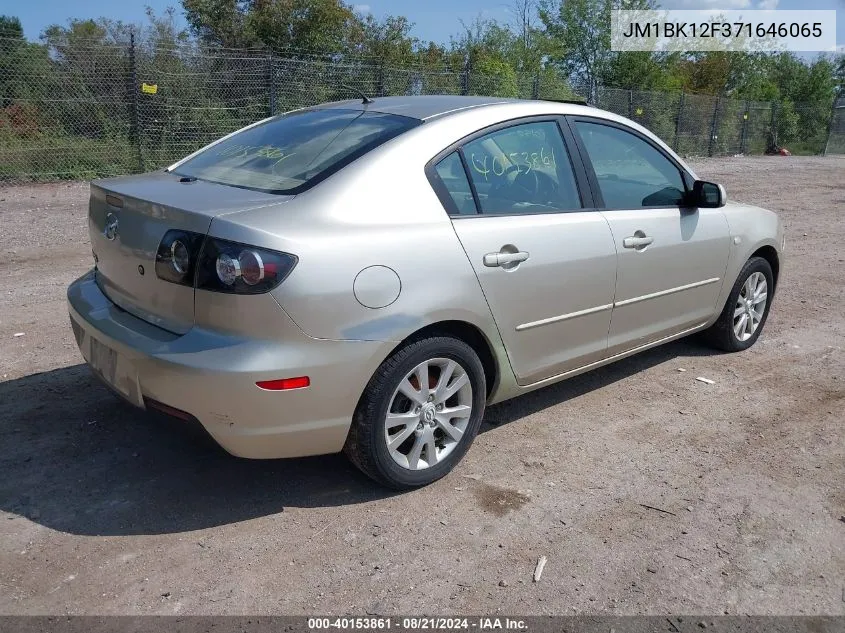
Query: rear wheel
x,y
419,414
745,312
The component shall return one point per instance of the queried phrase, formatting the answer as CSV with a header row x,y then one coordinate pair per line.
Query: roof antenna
x,y
364,98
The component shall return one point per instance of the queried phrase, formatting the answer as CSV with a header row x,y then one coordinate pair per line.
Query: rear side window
x,y
291,153
524,168
451,173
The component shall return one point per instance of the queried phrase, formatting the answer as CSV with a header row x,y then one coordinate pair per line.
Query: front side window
x,y
632,173
288,154
524,168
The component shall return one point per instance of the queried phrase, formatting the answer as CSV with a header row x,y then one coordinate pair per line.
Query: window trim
x,y
475,199
569,143
442,191
587,163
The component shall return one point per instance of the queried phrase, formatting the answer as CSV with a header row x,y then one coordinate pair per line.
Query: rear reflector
x,y
168,410
285,383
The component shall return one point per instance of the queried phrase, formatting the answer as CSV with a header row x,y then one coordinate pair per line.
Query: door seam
x,y
486,300
615,283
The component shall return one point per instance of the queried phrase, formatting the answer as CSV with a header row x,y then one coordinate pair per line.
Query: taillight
x,y
241,269
191,259
177,256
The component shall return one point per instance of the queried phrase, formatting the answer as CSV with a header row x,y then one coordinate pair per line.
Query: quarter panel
x,y
436,281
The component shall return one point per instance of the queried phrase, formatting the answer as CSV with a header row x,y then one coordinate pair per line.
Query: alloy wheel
x,y
750,306
428,413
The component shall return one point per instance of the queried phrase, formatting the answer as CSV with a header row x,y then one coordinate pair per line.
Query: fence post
x,y
133,88
714,126
535,89
678,120
630,104
743,135
465,79
773,127
382,91
271,84
830,123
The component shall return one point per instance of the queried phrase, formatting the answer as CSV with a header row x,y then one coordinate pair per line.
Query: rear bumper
x,y
211,375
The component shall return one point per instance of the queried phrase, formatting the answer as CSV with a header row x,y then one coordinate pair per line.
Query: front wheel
x,y
419,414
745,312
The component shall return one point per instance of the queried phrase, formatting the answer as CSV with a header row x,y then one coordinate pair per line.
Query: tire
x,y
723,334
417,419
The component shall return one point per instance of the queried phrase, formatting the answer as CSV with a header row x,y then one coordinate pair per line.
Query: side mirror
x,y
708,195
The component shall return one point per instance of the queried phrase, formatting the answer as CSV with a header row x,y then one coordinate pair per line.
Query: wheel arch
x,y
469,334
464,331
769,253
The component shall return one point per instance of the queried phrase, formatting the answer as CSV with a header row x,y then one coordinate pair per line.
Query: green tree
x,y
302,25
579,40
21,63
184,72
11,30
90,70
528,47
484,48
388,41
642,70
281,25
714,72
220,22
162,31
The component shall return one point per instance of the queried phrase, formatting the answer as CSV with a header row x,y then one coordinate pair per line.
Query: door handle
x,y
504,259
637,241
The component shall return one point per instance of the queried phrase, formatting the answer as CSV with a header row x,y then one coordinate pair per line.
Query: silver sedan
x,y
368,276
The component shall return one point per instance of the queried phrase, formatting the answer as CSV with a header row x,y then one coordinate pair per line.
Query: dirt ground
x,y
105,509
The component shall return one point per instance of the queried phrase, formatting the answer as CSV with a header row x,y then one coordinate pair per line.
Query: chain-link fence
x,y
85,110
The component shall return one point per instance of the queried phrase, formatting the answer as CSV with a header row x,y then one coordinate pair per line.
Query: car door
x,y
671,260
547,267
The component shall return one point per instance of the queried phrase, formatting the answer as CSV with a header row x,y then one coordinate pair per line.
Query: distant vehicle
x,y
367,277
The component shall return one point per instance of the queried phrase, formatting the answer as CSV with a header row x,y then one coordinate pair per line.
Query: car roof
x,y
443,108
421,107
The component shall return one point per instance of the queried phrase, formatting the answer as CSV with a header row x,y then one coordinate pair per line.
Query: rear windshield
x,y
291,153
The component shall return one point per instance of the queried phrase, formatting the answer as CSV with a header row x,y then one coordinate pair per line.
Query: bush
x,y
63,158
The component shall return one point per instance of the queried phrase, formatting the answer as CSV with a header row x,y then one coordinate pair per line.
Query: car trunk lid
x,y
128,218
